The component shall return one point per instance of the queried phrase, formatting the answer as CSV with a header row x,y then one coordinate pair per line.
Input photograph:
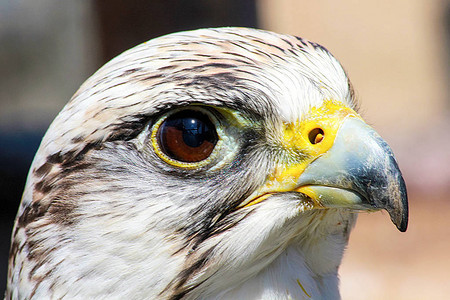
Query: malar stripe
x,y
187,273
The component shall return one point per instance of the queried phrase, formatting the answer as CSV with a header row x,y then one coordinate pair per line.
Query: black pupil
x,y
196,128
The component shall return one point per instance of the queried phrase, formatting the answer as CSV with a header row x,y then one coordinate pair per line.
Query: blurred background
x,y
396,53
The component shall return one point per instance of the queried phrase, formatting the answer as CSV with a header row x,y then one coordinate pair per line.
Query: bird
x,y
217,163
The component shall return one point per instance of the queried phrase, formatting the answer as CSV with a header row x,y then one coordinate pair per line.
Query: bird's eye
x,y
187,136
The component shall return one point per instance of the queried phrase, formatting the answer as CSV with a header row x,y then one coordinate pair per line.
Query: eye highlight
x,y
188,136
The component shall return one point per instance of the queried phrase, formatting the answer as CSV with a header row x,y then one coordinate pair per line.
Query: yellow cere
x,y
327,117
296,141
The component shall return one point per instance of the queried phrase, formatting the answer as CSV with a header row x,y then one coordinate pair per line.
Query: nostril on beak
x,y
316,135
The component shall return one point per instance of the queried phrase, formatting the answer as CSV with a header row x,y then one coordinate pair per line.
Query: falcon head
x,y
221,163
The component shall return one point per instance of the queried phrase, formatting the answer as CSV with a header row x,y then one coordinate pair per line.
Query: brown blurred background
x,y
397,54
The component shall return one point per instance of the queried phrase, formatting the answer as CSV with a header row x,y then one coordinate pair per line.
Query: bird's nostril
x,y
316,135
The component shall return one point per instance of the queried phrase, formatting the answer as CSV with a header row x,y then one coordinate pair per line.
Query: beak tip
x,y
403,227
402,222
404,209
399,213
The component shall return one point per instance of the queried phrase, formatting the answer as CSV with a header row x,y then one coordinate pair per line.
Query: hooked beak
x,y
358,171
347,165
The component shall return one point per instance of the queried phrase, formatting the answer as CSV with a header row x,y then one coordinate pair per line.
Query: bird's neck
x,y
287,277
306,269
